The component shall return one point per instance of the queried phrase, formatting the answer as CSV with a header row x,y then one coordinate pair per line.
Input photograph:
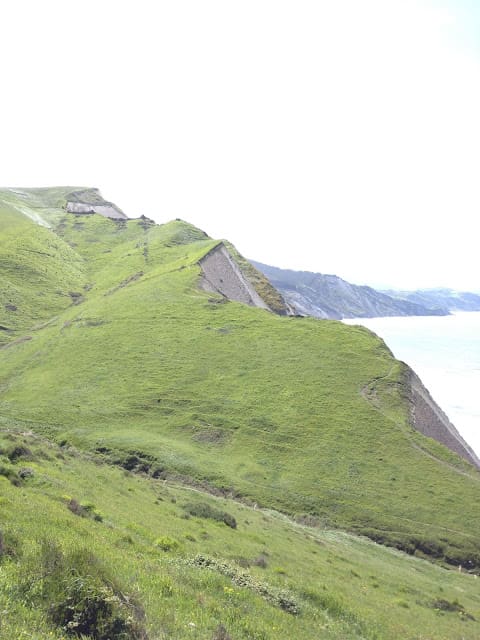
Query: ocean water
x,y
445,352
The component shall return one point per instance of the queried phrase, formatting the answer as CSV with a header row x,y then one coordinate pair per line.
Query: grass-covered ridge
x,y
112,347
308,417
137,563
152,434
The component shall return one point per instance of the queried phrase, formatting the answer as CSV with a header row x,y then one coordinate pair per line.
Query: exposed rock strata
x,y
222,275
429,419
90,201
328,296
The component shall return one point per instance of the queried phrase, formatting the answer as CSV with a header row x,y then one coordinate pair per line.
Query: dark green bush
x,y
165,543
84,510
9,472
19,451
131,462
204,510
453,607
446,605
8,545
81,597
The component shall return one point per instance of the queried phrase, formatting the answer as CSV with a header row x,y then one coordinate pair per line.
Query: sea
x,y
445,352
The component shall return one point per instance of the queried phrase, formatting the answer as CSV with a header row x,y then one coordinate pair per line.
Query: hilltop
x,y
159,351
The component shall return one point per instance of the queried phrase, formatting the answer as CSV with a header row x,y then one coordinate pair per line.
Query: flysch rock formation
x,y
222,275
90,201
429,419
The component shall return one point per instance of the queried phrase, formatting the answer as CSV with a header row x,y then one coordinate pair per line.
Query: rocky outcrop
x,y
221,274
89,201
429,419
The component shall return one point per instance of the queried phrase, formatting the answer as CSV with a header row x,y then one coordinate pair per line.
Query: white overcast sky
x,y
340,136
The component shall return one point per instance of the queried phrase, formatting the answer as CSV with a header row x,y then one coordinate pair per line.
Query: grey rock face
x,y
222,275
429,419
90,201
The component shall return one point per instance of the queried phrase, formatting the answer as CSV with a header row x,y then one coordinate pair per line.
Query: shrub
x,y
278,597
204,510
166,544
454,607
81,598
8,545
131,462
221,633
91,511
9,472
18,452
75,507
229,520
26,473
84,509
260,561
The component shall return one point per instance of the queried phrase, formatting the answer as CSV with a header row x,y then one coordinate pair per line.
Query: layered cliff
x,y
328,296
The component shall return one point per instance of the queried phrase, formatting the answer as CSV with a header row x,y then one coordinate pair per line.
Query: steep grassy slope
x,y
305,416
88,535
40,274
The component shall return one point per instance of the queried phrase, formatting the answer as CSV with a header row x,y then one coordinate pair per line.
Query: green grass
x,y
267,407
39,273
124,358
343,587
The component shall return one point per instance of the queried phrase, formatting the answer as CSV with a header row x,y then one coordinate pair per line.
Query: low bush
x,y
260,561
81,597
26,473
278,597
9,472
8,545
166,544
19,451
204,510
84,510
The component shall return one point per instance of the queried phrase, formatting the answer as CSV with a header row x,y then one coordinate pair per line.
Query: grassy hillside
x,y
98,548
304,416
114,351
40,274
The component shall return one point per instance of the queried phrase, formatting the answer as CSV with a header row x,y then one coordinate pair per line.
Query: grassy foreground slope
x,y
99,550
305,416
